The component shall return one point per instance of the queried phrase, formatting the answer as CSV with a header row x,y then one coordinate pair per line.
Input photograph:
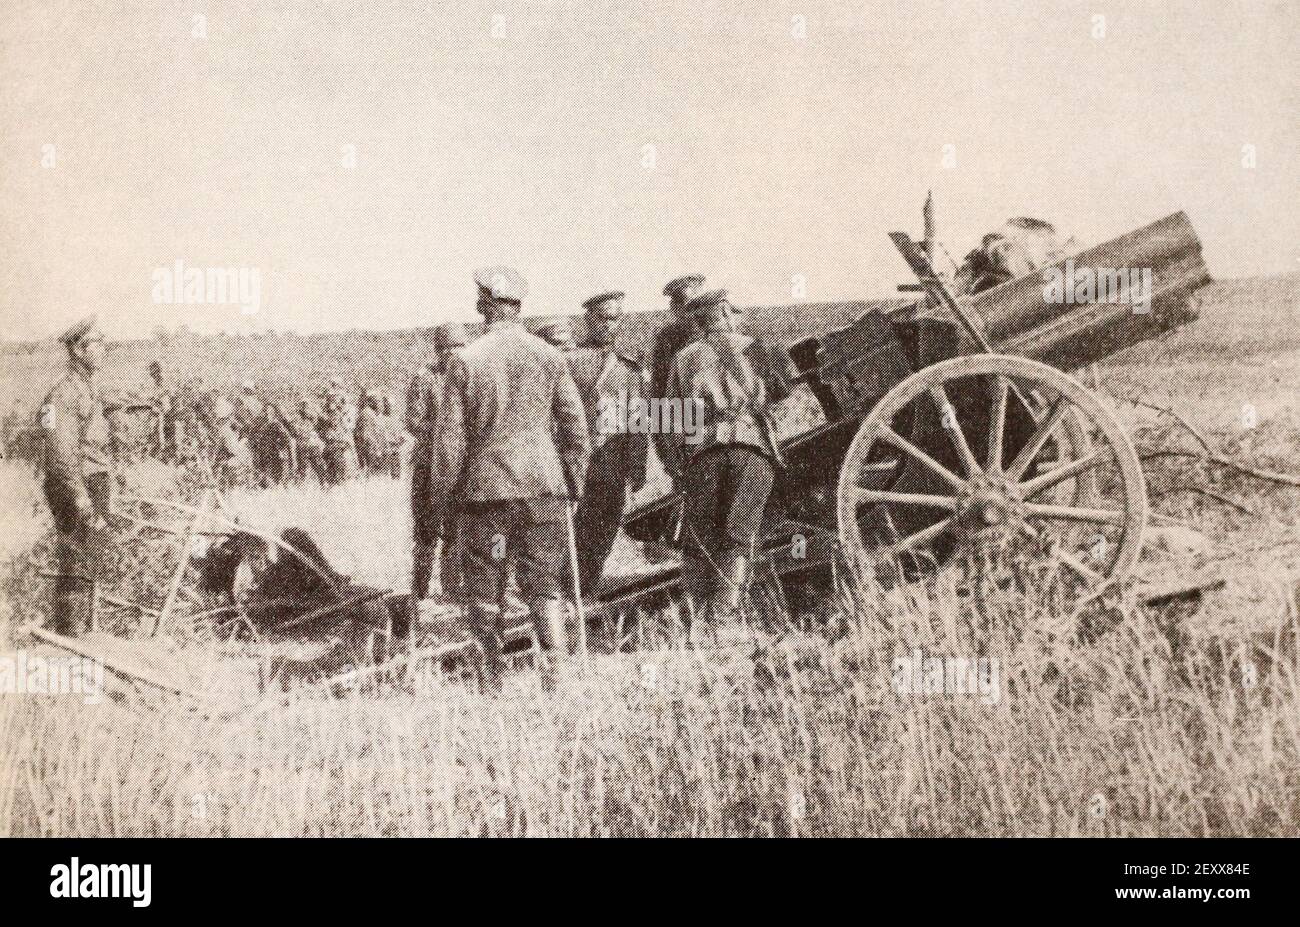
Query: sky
x,y
365,158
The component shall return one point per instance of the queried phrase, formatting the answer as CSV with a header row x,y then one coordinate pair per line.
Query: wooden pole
x,y
569,507
182,563
350,602
83,650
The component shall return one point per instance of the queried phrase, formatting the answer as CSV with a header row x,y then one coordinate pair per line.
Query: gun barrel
x,y
1102,300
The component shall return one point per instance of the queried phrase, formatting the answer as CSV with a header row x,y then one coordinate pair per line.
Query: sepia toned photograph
x,y
730,418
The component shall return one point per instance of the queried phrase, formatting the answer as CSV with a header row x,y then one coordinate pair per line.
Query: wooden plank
x,y
81,649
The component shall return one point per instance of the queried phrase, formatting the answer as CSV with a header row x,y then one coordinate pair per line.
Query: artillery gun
x,y
954,427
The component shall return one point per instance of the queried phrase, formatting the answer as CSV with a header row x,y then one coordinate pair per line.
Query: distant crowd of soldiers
x,y
515,470
251,440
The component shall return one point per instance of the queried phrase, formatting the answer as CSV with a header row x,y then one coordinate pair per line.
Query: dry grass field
x,y
1182,720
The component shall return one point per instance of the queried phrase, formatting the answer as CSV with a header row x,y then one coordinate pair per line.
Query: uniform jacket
x,y
510,424
609,383
305,432
76,434
367,430
734,379
670,339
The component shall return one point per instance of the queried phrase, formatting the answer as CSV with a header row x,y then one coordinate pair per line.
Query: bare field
x,y
1174,721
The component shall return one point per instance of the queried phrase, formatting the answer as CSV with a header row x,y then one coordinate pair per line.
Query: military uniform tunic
x,y
511,447
612,387
669,340
76,467
729,466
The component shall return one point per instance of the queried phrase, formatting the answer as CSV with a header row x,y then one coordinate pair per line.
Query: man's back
x,y
510,399
734,379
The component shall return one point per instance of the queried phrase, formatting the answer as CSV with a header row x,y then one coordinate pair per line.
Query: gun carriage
x,y
954,427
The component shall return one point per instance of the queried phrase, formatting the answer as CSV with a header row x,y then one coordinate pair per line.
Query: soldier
x,y
233,462
609,384
76,478
729,467
340,439
268,443
670,339
162,437
119,447
557,333
512,443
372,451
434,532
394,437
309,447
248,408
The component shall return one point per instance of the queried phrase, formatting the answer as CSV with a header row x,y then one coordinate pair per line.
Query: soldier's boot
x,y
485,620
734,585
422,559
440,558
79,608
62,606
548,623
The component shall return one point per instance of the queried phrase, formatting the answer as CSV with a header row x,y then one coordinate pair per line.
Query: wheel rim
x,y
1068,476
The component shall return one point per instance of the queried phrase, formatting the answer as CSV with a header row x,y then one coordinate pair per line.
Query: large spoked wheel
x,y
1005,454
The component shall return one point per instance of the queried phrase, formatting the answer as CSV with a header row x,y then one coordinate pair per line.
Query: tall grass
x,y
1119,724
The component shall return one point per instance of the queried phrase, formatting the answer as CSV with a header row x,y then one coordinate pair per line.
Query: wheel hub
x,y
989,506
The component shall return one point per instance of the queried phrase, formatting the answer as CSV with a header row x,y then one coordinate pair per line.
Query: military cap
x,y
683,287
556,330
609,305
708,302
248,386
222,409
503,283
450,335
87,327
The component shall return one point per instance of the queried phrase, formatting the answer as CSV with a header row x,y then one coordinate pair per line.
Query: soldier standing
x,y
162,439
512,445
340,440
308,443
372,451
729,468
609,383
268,443
433,532
392,436
76,478
248,408
233,462
670,339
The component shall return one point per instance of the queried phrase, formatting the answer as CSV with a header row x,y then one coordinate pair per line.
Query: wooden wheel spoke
x,y
864,496
1074,513
948,418
890,436
1040,437
1075,564
1081,569
1032,487
920,538
997,423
